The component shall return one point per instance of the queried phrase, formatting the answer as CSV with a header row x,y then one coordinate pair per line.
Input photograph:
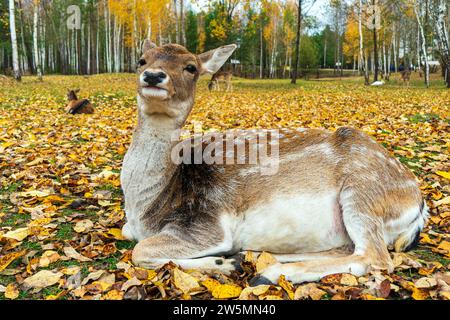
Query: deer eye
x,y
141,62
191,68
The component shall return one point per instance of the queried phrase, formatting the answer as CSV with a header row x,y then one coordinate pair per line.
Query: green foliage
x,y
192,32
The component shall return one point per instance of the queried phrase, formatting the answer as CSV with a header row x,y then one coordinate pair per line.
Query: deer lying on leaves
x,y
336,204
221,76
78,106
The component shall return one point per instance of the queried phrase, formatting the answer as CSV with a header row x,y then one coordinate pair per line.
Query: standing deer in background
x,y
221,76
78,106
406,76
336,203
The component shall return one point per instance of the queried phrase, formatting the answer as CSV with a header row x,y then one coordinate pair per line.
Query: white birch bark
x,y
15,54
423,46
37,61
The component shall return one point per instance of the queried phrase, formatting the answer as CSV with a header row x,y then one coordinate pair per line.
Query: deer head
x,y
168,76
72,94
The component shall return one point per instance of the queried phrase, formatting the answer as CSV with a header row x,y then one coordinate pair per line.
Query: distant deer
x,y
406,76
78,106
221,76
335,205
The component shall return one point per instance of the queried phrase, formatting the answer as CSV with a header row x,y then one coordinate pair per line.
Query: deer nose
x,y
153,78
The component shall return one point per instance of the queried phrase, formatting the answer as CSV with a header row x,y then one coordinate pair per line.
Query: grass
x,y
65,232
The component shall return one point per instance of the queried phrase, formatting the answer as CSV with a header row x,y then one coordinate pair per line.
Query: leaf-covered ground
x,y
61,202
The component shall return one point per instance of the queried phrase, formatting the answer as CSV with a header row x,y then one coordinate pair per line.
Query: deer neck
x,y
147,168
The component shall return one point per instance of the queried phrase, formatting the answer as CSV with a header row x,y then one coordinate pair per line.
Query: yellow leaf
x,y
12,292
444,245
349,280
18,234
116,233
287,286
8,258
210,284
226,291
183,281
265,260
420,294
443,174
113,295
103,285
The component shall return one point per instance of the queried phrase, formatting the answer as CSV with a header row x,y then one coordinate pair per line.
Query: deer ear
x,y
76,90
147,45
213,60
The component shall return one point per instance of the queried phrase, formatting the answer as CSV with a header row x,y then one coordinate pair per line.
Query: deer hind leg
x,y
366,232
157,250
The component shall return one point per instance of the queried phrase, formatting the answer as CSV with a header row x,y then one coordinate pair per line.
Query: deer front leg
x,y
159,249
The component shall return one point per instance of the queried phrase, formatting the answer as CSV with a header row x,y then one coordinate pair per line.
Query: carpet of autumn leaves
x,y
61,206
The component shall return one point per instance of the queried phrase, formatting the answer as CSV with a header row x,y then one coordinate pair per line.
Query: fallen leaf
x,y
12,292
48,257
265,260
18,234
116,233
287,286
443,174
130,283
83,226
183,281
72,253
425,283
226,291
42,279
113,295
8,258
349,280
309,290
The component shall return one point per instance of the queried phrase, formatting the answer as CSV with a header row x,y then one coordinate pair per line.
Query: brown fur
x,y
406,76
76,105
221,76
181,219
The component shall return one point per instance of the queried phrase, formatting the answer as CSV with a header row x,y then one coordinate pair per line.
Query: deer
x,y
219,76
76,105
406,76
337,203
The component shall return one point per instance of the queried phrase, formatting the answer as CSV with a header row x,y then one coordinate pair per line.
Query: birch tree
x,y
15,53
37,60
442,39
361,46
423,42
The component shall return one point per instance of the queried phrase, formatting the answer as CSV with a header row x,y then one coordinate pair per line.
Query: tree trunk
x,y
15,54
37,61
361,46
443,41
375,47
261,52
297,44
177,26
424,49
182,27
